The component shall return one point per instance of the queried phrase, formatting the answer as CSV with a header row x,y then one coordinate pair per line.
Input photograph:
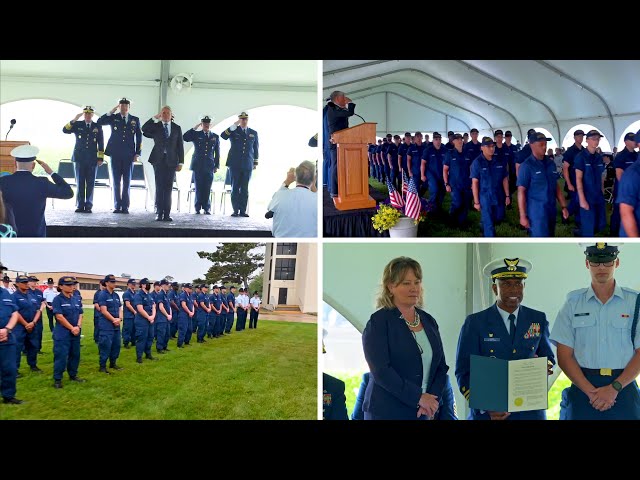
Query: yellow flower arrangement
x,y
386,217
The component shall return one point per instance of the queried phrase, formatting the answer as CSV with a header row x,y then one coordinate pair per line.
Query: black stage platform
x,y
141,223
350,223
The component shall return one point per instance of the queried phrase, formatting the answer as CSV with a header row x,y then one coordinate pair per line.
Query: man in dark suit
x,y
88,155
166,157
124,147
340,108
242,160
506,330
204,162
27,194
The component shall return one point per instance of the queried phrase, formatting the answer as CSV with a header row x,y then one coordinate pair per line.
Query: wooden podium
x,y
7,162
353,163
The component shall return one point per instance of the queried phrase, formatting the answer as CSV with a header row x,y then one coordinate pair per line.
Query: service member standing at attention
x,y
36,292
596,346
224,310
507,330
27,194
29,314
242,305
431,171
124,147
241,161
66,333
6,284
88,154
97,314
204,162
203,313
154,298
414,161
538,190
8,370
167,157
109,340
457,181
145,316
129,314
255,310
49,294
569,174
186,313
215,302
163,317
340,109
231,302
590,186
172,296
472,149
623,160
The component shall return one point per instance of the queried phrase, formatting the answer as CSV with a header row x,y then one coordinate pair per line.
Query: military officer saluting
x,y
242,160
88,154
124,147
596,348
507,330
204,162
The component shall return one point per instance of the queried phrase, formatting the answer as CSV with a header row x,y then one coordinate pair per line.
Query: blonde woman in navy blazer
x,y
397,341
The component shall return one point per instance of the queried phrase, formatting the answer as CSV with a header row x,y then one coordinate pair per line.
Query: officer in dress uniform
x,y
629,200
129,314
36,292
204,162
124,147
621,162
215,302
490,186
26,195
163,317
88,154
186,313
145,316
589,169
538,190
109,340
242,160
457,181
49,294
507,330
29,314
431,170
8,369
569,174
596,349
66,333
172,296
203,312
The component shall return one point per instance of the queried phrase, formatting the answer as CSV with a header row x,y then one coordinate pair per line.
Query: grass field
x,y
437,227
268,373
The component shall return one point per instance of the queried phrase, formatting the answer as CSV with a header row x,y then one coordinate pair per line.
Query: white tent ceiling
x,y
491,94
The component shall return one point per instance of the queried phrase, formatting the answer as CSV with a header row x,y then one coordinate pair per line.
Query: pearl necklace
x,y
415,322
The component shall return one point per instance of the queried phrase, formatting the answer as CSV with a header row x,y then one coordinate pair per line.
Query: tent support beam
x,y
164,82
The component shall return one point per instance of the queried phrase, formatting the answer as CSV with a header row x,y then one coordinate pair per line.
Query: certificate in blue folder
x,y
508,385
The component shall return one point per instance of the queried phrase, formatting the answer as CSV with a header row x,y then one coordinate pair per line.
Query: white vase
x,y
405,228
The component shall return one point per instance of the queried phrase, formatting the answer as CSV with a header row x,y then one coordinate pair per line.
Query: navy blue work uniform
x,y
490,175
334,406
629,193
124,144
172,296
600,336
196,309
40,325
373,168
539,178
97,315
523,154
485,334
154,299
202,315
144,329
215,301
435,158
337,119
471,151
184,318
109,339
162,322
568,157
88,151
231,302
394,169
242,159
28,305
26,195
460,182
223,313
8,368
128,327
402,153
204,163
396,368
592,167
66,345
623,160
415,152
512,151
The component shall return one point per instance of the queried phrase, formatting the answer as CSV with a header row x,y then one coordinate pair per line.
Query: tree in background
x,y
256,283
233,263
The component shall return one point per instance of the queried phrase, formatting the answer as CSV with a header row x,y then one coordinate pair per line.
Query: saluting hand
x,y
236,123
46,167
77,117
157,116
198,125
113,110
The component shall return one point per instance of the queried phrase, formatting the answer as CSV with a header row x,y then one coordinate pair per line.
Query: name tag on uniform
x,y
491,339
586,314
251,135
538,172
65,305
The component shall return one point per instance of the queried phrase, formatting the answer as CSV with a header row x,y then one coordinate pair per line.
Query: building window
x,y
89,286
285,268
287,249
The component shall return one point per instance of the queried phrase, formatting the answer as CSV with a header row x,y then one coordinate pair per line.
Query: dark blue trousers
x,y
109,346
212,323
50,317
66,352
162,335
173,326
202,324
592,220
460,200
85,173
121,170
8,370
242,319
229,321
333,173
575,404
39,330
542,223
27,342
436,191
253,319
326,165
574,206
203,181
129,331
184,329
96,329
144,337
240,190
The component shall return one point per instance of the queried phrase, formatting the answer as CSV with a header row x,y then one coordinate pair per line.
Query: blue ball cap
x,y
144,281
131,281
486,141
67,280
187,285
109,278
630,136
538,137
22,279
25,153
474,130
164,281
594,133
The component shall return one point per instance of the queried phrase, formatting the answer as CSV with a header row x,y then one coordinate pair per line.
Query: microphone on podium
x,y
360,117
13,122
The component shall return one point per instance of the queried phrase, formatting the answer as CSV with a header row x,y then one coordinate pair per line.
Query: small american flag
x,y
413,205
405,182
394,197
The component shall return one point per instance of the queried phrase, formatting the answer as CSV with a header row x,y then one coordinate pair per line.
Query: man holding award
x,y
507,331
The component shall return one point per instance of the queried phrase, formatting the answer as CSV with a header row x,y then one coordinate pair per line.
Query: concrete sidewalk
x,y
287,317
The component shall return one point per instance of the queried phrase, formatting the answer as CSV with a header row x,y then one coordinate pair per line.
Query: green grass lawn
x,y
436,227
269,373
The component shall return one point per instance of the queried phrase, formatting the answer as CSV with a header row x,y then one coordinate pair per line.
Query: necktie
x,y
124,119
166,131
512,326
88,126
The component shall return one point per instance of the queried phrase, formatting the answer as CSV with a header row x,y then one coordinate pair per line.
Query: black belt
x,y
603,372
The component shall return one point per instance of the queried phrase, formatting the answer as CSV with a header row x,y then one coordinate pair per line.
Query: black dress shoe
x,y
57,384
126,345
244,214
166,350
125,210
113,366
207,212
200,341
12,400
139,360
117,210
234,214
77,379
87,210
104,370
151,357
167,218
197,212
180,346
80,210
159,218
161,352
36,369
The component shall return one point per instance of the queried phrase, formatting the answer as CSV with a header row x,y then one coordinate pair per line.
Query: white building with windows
x,y
291,276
